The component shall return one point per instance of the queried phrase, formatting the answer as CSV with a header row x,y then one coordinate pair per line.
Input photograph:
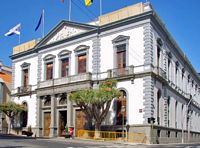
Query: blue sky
x,y
182,19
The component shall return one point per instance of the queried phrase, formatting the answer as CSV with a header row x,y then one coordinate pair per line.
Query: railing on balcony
x,y
160,72
118,72
65,80
24,89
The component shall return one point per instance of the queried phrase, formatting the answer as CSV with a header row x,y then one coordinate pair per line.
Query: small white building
x,y
130,45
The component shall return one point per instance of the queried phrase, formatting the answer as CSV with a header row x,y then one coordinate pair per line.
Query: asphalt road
x,y
10,141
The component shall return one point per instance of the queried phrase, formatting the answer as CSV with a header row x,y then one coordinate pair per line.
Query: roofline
x,y
177,48
97,29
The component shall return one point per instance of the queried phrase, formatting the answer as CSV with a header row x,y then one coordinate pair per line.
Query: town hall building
x,y
160,87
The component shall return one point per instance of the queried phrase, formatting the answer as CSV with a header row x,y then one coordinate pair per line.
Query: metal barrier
x,y
109,136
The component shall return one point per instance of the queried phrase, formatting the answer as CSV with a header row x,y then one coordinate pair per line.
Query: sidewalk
x,y
81,140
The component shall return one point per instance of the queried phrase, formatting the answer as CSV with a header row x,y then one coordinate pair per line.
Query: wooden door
x,y
80,121
47,123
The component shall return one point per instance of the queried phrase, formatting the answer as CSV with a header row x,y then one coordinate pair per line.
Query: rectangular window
x,y
25,77
64,67
121,56
82,63
49,71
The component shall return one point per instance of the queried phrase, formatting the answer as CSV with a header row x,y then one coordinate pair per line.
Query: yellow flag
x,y
88,2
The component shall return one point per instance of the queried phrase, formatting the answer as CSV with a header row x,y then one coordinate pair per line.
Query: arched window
x,y
24,115
121,109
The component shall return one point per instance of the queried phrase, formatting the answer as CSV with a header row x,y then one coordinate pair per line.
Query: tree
x,y
11,109
95,103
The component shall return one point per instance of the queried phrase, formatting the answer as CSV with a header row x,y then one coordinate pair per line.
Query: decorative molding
x,y
64,53
49,57
81,48
65,32
39,70
148,97
25,65
96,55
13,76
120,38
148,44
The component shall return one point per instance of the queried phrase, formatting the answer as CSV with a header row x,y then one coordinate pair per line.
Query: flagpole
x,y
100,7
43,24
19,38
70,9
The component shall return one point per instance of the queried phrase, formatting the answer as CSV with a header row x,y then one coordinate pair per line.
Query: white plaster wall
x,y
135,100
31,101
32,73
71,48
136,48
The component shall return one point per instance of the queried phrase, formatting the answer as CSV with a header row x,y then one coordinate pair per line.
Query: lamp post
x,y
183,115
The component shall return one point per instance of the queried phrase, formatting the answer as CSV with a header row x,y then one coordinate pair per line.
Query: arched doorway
x,y
121,109
24,115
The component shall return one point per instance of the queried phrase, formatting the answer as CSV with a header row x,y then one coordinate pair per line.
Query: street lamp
x,y
183,115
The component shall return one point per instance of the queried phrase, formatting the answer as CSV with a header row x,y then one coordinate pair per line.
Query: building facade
x,y
159,85
5,91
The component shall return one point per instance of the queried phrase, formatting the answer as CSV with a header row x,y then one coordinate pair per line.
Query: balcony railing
x,y
24,89
160,72
119,72
65,80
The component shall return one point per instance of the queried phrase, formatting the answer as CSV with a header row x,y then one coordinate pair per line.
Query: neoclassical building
x,y
160,87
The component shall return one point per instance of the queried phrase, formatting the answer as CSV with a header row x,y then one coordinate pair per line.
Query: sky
x,y
181,18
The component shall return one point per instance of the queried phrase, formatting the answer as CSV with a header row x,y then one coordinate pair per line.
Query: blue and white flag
x,y
40,21
14,30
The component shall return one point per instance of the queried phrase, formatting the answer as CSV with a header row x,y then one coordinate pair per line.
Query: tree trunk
x,y
97,134
9,125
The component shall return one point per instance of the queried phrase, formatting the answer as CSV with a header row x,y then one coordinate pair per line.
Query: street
x,y
10,141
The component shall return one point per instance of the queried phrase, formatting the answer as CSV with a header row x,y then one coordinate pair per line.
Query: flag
x,y
40,21
88,2
14,30
62,1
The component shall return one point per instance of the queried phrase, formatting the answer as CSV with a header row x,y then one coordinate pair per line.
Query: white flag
x,y
14,30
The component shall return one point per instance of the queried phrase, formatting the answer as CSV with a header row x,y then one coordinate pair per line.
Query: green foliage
x,y
106,92
95,103
11,108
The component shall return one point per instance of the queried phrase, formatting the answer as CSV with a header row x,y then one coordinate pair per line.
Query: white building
x,y
130,45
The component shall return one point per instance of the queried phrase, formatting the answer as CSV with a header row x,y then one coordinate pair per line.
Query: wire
x,y
83,11
81,1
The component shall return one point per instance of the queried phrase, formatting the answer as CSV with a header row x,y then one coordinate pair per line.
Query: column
x,y
69,112
39,119
53,127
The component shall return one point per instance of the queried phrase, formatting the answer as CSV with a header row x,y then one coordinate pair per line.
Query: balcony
x,y
23,90
120,72
65,80
160,72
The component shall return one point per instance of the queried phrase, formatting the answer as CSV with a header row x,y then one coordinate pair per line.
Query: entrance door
x,y
47,123
62,121
80,121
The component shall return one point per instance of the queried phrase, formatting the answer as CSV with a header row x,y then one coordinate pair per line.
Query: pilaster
x,y
69,112
39,117
53,126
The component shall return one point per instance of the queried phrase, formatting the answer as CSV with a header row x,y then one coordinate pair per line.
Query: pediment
x,y
65,30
